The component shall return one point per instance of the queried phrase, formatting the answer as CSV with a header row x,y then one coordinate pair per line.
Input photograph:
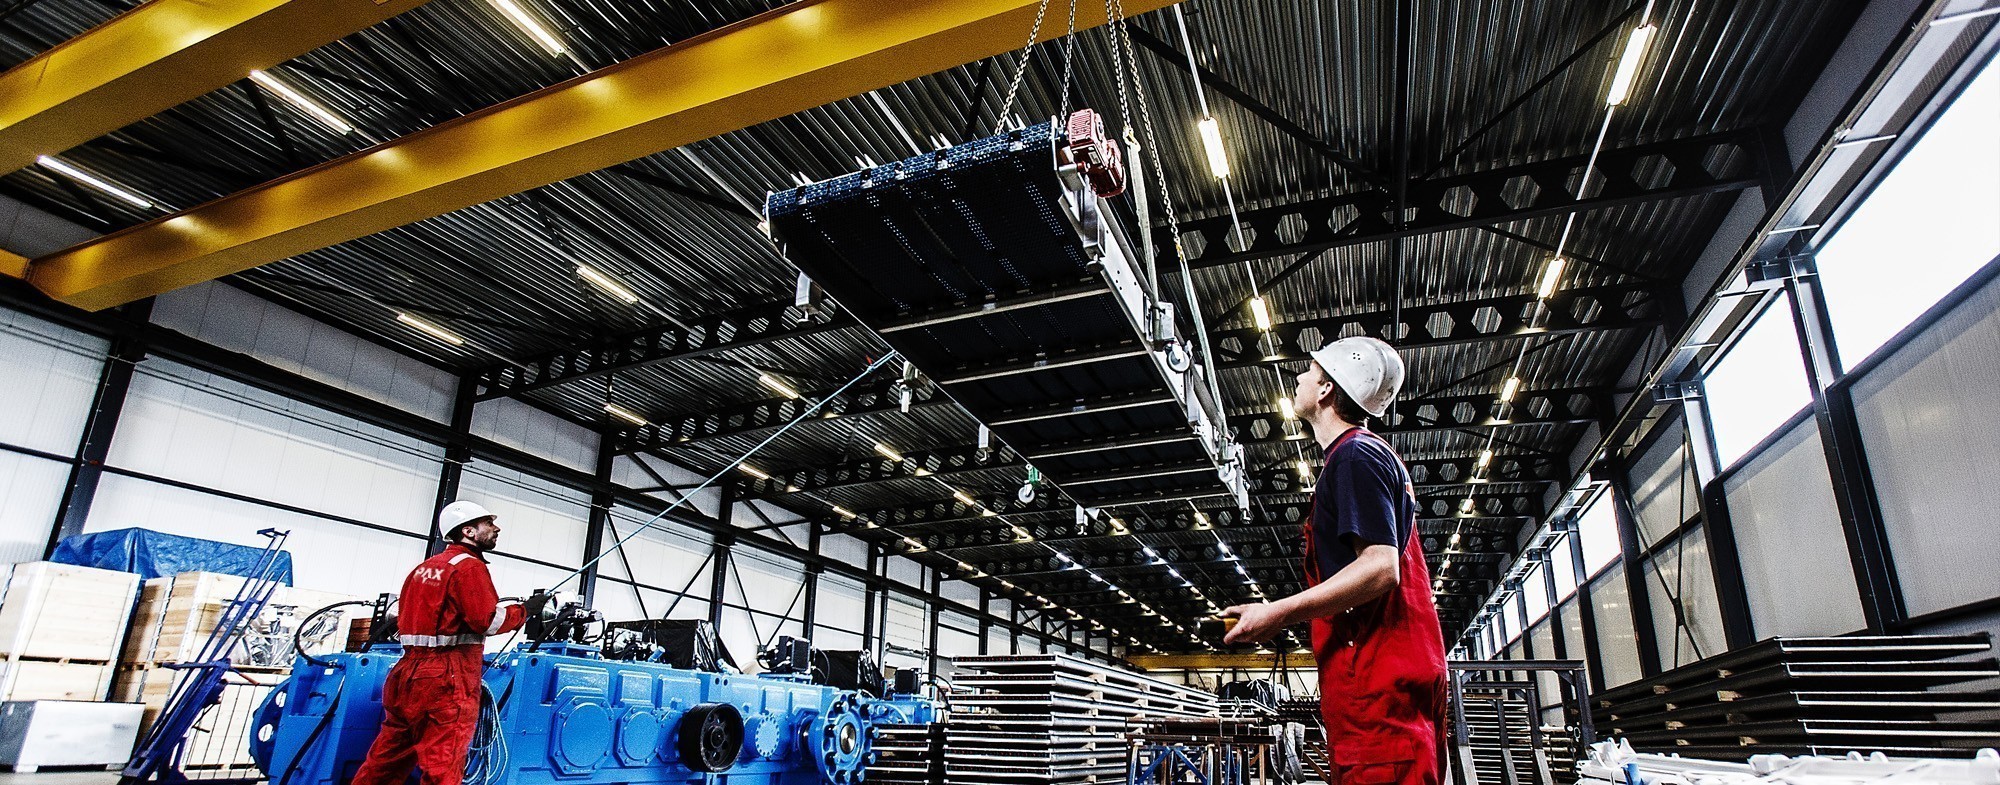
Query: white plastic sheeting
x,y
1681,571
1615,643
1789,540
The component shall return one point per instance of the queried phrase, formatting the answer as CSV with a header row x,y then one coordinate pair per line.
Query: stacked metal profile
x,y
1050,718
1804,696
908,755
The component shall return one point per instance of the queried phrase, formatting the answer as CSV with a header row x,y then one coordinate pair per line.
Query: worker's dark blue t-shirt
x,y
1363,497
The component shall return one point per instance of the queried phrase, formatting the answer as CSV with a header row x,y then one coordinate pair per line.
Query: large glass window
x,y
1759,384
1560,561
1597,529
1924,229
1535,589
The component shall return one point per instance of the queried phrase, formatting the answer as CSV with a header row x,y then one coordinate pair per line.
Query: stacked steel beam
x,y
1902,695
1048,718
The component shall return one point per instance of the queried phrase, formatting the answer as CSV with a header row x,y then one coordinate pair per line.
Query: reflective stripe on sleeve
x,y
499,620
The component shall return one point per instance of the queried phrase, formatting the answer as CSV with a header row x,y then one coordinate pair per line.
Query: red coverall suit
x,y
1381,666
431,701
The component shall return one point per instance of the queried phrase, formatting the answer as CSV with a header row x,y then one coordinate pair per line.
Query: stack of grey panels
x,y
1050,718
908,755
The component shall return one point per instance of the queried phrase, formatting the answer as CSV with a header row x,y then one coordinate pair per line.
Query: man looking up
x,y
1375,631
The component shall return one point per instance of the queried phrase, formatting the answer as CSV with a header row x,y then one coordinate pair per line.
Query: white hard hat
x,y
458,514
1366,368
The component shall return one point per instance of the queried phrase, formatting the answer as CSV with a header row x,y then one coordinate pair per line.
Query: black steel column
x,y
1847,462
718,585
1724,561
456,455
870,642
810,618
1636,593
936,588
600,516
985,618
106,405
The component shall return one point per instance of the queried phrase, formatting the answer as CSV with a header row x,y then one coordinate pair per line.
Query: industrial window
x,y
1925,228
1535,590
1597,530
1562,563
1759,384
1510,618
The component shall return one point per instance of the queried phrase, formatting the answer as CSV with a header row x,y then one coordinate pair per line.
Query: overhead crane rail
x,y
1000,269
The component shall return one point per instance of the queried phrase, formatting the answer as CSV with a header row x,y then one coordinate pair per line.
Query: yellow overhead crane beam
x,y
1250,661
778,63
158,56
13,265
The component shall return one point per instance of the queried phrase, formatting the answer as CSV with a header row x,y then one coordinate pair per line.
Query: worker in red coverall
x,y
431,701
1375,628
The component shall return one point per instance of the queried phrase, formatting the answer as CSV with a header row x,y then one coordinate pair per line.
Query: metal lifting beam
x,y
157,56
1640,173
752,326
789,59
766,415
1614,307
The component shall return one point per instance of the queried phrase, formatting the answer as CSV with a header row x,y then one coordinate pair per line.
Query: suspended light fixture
x,y
298,100
782,389
1509,388
73,172
610,285
625,414
1551,275
1285,409
430,329
1260,313
1485,457
548,40
844,512
753,471
964,497
1628,65
1211,141
888,453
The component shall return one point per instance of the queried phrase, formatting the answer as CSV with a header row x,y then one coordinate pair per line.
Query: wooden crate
x,y
60,680
60,627
176,615
52,611
221,734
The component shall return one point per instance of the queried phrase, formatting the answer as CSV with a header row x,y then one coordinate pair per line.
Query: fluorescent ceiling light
x,y
844,512
1305,470
1466,506
1260,313
431,330
610,285
1201,519
964,497
72,172
530,25
299,101
1628,66
625,414
1551,275
1509,388
888,453
1485,457
753,471
1285,408
782,388
1211,140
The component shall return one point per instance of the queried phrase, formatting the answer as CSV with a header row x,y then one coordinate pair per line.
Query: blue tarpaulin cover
x,y
154,554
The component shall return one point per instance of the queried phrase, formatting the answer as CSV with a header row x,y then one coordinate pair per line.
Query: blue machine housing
x,y
567,715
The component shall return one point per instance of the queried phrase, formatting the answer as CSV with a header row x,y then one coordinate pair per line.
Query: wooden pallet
x,y
60,627
176,616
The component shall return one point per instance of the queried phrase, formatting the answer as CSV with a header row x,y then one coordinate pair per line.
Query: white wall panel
x,y
636,471
998,641
526,428
514,577
843,603
30,491
1615,644
844,548
1572,630
953,643
1542,638
667,557
960,592
774,584
1664,492
51,375
538,519
907,571
621,601
326,555
1789,540
909,623
836,639
1925,417
234,319
194,427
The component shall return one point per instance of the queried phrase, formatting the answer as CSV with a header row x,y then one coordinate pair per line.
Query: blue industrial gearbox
x,y
561,712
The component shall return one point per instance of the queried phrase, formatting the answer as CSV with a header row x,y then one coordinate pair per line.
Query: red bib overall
x,y
1381,671
430,703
